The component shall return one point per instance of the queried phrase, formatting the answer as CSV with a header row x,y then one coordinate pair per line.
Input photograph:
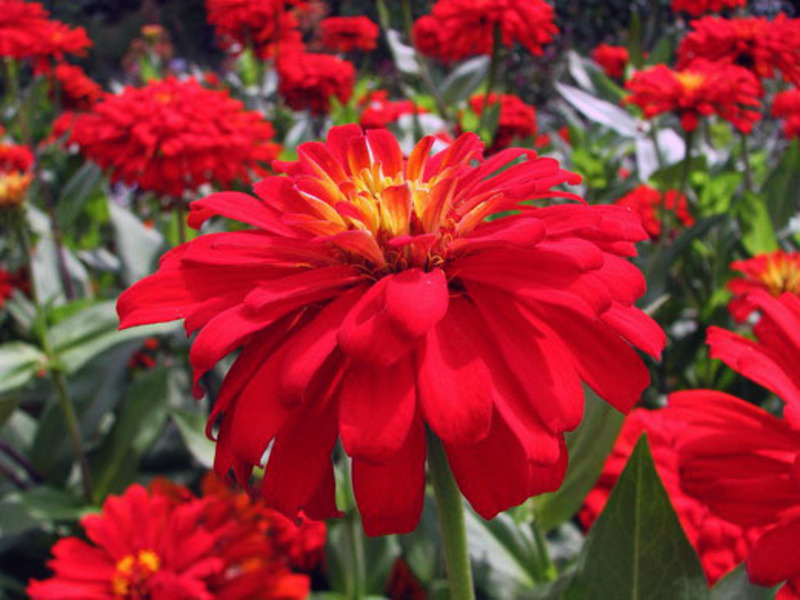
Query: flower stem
x,y
748,168
494,66
181,209
545,568
355,583
59,382
451,522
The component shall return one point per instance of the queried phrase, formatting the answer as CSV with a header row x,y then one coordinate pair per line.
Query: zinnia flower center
x,y
130,581
690,81
13,187
782,275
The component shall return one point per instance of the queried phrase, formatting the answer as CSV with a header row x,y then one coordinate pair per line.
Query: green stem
x,y
687,162
748,169
59,382
451,521
181,220
355,585
657,147
494,66
545,568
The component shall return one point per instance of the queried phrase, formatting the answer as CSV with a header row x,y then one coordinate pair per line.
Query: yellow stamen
x,y
690,81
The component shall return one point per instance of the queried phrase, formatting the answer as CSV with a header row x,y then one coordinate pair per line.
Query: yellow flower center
x,y
690,81
782,274
13,188
132,573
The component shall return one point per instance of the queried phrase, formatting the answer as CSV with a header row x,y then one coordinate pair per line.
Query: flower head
x,y
267,26
76,91
613,59
700,7
699,90
16,174
373,299
652,205
786,105
457,29
776,272
379,111
172,136
720,544
517,120
345,34
308,81
755,43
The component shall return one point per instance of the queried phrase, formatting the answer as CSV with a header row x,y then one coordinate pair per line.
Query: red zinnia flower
x,y
27,32
345,34
379,111
16,174
308,81
786,105
699,90
172,136
517,119
699,7
652,206
776,272
373,299
458,29
760,45
720,544
76,91
613,59
742,462
268,26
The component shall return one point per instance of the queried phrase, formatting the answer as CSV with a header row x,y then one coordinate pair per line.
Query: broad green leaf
x,y
19,363
736,586
139,423
404,55
758,234
44,503
589,445
637,549
138,246
464,80
599,111
73,195
191,425
782,189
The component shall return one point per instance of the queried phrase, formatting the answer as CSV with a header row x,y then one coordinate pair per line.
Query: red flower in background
x,y
172,136
699,90
76,91
167,544
373,299
379,111
27,32
786,105
345,34
458,29
700,7
755,43
268,26
16,174
776,272
742,462
720,544
613,59
308,81
517,119
652,205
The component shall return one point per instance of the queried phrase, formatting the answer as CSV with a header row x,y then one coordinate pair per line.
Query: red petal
x,y
416,300
775,558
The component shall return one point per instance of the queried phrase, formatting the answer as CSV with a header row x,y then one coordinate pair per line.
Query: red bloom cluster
x,y
167,543
345,34
786,105
760,45
373,299
776,272
457,29
652,206
26,31
613,59
517,119
16,174
379,111
720,544
172,136
700,7
268,26
699,90
308,81
76,91
9,282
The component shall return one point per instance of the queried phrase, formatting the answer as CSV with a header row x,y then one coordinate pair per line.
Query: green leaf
x,y
19,363
138,246
44,503
464,80
589,445
599,111
637,548
75,193
758,234
191,425
782,189
736,586
138,424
